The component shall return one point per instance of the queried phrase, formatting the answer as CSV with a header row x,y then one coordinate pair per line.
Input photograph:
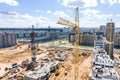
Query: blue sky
x,y
93,13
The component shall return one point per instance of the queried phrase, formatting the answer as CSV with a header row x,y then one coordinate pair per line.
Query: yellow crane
x,y
76,29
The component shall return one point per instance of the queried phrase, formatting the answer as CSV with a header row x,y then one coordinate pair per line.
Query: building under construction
x,y
110,27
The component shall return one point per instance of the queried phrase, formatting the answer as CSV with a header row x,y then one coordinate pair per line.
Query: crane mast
x,y
76,28
76,31
110,38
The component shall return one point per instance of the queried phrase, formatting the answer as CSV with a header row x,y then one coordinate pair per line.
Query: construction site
x,y
61,59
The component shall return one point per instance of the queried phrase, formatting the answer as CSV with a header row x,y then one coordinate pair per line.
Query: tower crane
x,y
75,26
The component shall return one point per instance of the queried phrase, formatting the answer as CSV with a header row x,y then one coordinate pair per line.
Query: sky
x,y
24,13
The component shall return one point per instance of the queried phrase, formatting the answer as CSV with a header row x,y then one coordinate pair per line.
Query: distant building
x,y
117,39
42,34
103,29
86,38
7,40
71,37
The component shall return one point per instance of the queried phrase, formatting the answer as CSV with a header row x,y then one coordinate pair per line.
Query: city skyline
x,y
93,13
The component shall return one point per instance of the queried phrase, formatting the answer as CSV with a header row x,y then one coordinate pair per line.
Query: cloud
x,y
37,10
104,16
49,12
102,1
94,14
22,20
86,3
93,18
90,3
111,2
89,11
10,2
80,3
90,23
25,21
62,14
118,15
88,14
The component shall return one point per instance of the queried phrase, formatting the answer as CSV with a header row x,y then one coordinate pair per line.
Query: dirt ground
x,y
117,56
84,67
14,54
11,55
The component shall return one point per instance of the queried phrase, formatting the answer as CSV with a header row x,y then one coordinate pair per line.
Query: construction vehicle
x,y
76,30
